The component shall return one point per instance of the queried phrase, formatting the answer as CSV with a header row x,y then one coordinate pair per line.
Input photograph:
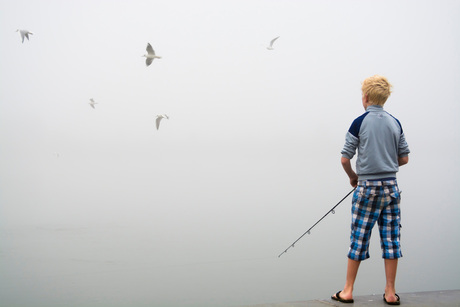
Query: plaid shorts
x,y
375,201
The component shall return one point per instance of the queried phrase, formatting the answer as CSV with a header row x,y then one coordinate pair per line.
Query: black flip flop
x,y
398,302
339,299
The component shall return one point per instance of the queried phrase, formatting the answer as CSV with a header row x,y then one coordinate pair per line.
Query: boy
x,y
382,148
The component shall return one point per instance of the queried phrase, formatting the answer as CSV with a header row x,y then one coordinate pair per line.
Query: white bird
x,y
159,118
150,55
271,43
24,33
92,103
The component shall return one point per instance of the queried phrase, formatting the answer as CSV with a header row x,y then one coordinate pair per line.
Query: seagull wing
x,y
273,40
148,61
22,34
158,121
150,49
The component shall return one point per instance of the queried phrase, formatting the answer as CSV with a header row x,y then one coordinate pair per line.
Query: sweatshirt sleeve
x,y
403,148
351,143
352,137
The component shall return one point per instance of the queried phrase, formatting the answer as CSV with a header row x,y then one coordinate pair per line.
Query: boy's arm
x,y
346,164
403,160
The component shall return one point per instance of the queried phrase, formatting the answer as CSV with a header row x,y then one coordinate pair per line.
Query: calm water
x,y
135,264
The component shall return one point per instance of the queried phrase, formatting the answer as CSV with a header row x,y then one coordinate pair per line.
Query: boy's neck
x,y
367,103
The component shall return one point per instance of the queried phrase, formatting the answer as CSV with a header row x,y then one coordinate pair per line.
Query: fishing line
x,y
308,231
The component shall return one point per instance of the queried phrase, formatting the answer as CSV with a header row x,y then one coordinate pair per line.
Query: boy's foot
x,y
397,302
336,297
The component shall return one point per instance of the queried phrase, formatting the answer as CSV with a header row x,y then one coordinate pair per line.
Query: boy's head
x,y
377,89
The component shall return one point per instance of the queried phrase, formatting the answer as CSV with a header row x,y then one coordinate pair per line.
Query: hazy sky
x,y
248,160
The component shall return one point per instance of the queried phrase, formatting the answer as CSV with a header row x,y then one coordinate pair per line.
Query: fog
x,y
99,208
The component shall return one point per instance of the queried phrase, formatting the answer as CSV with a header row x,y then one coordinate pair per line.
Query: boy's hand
x,y
350,172
354,181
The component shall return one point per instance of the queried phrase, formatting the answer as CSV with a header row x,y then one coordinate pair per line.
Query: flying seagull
x,y
159,118
271,43
24,33
92,103
150,55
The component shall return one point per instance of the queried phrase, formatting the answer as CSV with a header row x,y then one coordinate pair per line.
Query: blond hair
x,y
377,88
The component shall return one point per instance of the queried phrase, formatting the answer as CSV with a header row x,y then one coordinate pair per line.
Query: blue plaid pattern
x,y
375,201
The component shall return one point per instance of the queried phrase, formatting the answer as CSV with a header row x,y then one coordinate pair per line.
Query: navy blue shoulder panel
x,y
356,125
400,126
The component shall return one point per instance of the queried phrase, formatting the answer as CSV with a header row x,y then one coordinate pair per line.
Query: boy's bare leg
x,y
391,265
352,271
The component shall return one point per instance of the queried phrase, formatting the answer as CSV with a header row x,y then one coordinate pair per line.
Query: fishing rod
x,y
308,231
